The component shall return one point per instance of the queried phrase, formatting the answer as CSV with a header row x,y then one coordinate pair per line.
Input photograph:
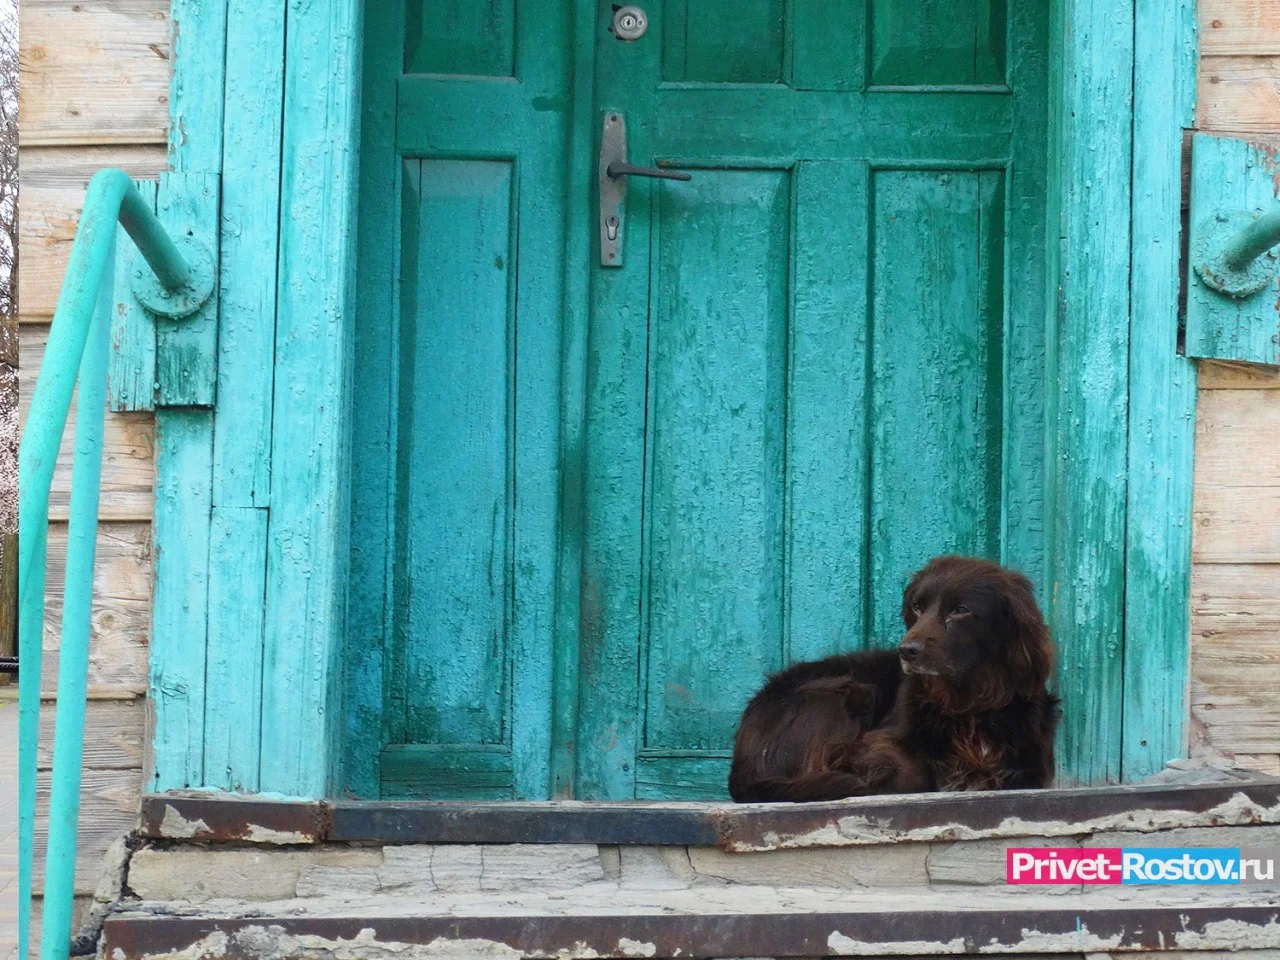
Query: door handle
x,y
620,168
614,171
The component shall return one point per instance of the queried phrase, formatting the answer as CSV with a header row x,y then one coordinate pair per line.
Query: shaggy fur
x,y
961,703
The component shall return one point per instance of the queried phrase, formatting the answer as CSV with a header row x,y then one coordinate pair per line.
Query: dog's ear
x,y
1030,649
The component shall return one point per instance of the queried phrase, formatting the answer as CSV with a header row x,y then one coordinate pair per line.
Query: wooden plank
x,y
1237,525
187,349
1235,662
1239,28
94,72
184,462
195,114
1236,439
1162,403
53,183
233,676
109,801
307,546
113,734
1226,375
120,621
1239,94
247,258
128,472
131,372
376,351
1090,162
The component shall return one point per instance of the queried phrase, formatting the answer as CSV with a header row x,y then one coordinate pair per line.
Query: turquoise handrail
x,y
76,352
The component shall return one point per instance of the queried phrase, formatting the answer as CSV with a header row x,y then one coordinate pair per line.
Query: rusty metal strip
x,y
938,816
773,935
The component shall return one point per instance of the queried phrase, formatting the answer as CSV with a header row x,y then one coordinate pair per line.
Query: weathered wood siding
x,y
95,93
1235,603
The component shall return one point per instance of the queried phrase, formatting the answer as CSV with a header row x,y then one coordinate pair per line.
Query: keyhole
x,y
611,227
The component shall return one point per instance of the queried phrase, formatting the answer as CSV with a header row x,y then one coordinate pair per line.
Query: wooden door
x,y
456,479
819,362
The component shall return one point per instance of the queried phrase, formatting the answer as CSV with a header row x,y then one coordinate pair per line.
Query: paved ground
x,y
8,829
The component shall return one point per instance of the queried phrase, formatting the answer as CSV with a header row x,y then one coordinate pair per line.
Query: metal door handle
x,y
614,171
620,168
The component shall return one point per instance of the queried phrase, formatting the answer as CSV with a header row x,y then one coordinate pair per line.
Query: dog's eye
x,y
915,609
960,611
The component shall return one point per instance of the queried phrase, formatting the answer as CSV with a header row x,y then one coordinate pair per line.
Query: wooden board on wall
x,y
1235,639
128,468
1239,27
53,183
94,72
1239,94
121,612
113,734
108,809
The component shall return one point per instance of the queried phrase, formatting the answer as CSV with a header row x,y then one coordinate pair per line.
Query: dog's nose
x,y
910,650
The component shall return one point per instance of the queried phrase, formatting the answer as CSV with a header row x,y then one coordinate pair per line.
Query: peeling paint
x,y
843,946
855,830
273,943
178,827
1232,935
256,833
634,948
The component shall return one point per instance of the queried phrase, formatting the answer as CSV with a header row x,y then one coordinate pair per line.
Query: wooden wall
x,y
95,93
1235,605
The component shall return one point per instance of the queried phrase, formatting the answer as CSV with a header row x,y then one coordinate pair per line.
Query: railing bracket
x,y
1236,255
185,300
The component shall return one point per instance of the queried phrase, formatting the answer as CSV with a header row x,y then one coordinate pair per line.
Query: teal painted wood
x,y
131,374
1026,377
376,351
461,37
73,650
196,95
929,230
233,658
937,43
458,459
822,34
826,412
724,41
936,378
1234,178
712,604
1162,394
307,536
186,350
1090,157
250,216
455,435
580,165
184,475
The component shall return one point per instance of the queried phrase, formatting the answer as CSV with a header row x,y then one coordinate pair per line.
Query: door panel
x,y
936,404
470,382
813,403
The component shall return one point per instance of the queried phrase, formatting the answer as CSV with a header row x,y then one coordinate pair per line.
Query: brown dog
x,y
961,703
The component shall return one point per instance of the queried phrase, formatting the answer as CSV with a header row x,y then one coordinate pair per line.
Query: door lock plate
x,y
629,23
613,190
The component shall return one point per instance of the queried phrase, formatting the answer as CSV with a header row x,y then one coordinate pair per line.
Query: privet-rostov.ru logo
x,y
1090,865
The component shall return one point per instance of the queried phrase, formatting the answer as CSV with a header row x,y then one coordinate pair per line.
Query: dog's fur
x,y
961,704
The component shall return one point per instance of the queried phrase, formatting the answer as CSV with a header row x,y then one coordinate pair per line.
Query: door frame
x,y
1119,444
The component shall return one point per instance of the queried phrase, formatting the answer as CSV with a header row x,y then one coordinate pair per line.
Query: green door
x,y
820,361
809,368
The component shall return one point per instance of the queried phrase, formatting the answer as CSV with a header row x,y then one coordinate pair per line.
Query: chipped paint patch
x,y
842,946
1238,810
634,948
273,943
1232,935
256,833
178,827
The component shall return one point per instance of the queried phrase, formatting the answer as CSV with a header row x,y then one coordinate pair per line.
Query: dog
x,y
961,704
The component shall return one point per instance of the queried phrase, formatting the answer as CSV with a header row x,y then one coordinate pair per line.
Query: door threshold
x,y
1192,797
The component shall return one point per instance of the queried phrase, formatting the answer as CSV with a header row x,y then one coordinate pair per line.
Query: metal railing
x,y
76,354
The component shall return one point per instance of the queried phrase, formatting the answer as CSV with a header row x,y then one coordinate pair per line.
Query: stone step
x,y
604,921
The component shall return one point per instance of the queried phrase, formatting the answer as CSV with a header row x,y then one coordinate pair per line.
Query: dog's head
x,y
975,634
